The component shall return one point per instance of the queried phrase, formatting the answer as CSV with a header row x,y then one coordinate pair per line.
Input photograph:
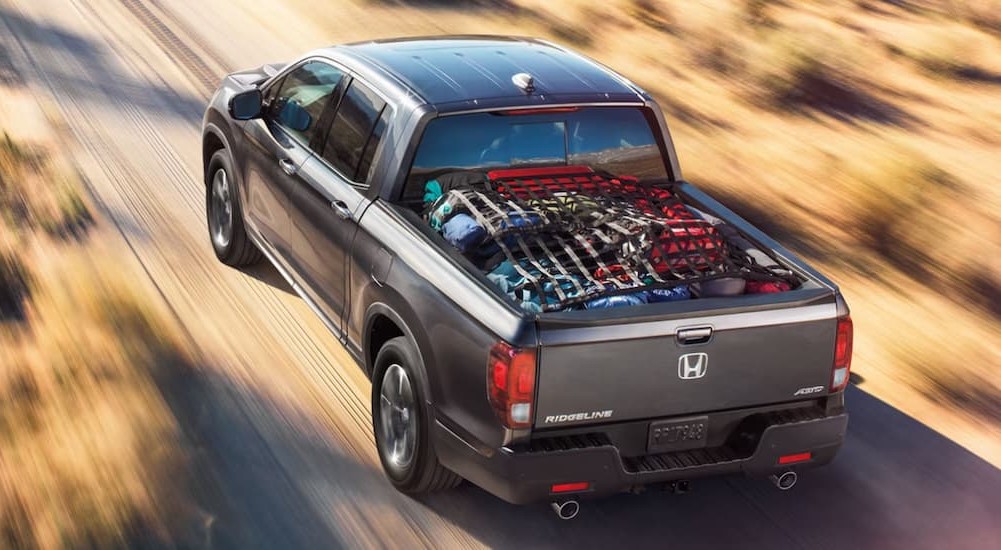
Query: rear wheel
x,y
225,214
402,425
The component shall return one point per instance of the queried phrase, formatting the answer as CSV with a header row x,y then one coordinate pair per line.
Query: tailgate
x,y
696,364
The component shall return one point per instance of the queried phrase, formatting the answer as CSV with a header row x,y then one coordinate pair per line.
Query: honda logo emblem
x,y
693,365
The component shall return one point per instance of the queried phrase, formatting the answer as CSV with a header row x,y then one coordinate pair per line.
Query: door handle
x,y
288,166
341,209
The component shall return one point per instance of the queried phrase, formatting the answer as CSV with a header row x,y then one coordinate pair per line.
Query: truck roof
x,y
479,70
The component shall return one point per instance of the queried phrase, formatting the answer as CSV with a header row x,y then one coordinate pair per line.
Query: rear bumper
x,y
526,476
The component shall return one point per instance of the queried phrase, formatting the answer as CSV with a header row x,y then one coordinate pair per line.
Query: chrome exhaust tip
x,y
567,509
785,480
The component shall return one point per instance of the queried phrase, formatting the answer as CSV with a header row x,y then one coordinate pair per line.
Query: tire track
x,y
205,77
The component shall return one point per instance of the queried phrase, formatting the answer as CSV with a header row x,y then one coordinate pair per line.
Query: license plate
x,y
677,435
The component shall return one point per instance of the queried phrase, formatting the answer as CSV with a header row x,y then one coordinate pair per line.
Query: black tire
x,y
423,474
238,250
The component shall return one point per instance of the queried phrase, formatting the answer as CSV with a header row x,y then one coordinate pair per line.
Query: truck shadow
x,y
236,494
267,474
266,273
896,483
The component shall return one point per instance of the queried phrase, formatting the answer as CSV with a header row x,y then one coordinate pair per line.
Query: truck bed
x,y
570,238
684,357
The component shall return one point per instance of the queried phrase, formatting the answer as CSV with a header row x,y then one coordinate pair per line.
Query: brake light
x,y
538,172
537,111
842,355
511,384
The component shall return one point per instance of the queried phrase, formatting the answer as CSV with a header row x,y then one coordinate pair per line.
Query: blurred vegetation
x,y
894,198
91,455
983,14
949,52
650,13
793,71
37,192
14,286
973,393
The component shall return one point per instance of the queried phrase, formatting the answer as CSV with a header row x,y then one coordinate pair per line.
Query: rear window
x,y
616,140
351,131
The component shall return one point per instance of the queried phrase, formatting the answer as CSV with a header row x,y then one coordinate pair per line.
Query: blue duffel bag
x,y
622,300
462,232
674,294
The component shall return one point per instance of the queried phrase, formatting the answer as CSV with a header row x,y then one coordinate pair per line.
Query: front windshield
x,y
617,140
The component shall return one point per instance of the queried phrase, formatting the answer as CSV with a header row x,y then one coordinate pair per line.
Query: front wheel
x,y
402,424
225,214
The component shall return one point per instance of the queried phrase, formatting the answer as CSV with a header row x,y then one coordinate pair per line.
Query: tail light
x,y
511,384
842,355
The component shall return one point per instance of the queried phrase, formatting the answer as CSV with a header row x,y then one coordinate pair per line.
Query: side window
x,y
348,145
302,96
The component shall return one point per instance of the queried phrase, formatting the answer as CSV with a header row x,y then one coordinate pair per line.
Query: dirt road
x,y
279,412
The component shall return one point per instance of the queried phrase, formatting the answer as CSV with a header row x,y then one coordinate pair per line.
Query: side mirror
x,y
246,105
294,117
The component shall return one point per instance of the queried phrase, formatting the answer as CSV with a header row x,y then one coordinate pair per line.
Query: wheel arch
x,y
384,322
214,138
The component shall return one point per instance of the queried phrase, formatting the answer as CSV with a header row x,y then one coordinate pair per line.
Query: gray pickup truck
x,y
498,232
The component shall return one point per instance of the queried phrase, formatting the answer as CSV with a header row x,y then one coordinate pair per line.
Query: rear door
x,y
278,145
325,210
691,364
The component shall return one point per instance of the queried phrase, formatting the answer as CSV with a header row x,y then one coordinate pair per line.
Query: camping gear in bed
x,y
462,232
767,287
717,288
453,180
573,236
672,294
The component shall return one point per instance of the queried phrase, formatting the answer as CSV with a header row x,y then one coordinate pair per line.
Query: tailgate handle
x,y
698,335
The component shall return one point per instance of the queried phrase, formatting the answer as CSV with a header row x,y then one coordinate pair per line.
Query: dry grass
x,y
983,14
14,286
39,192
949,51
90,455
894,197
654,14
794,69
960,376
759,12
